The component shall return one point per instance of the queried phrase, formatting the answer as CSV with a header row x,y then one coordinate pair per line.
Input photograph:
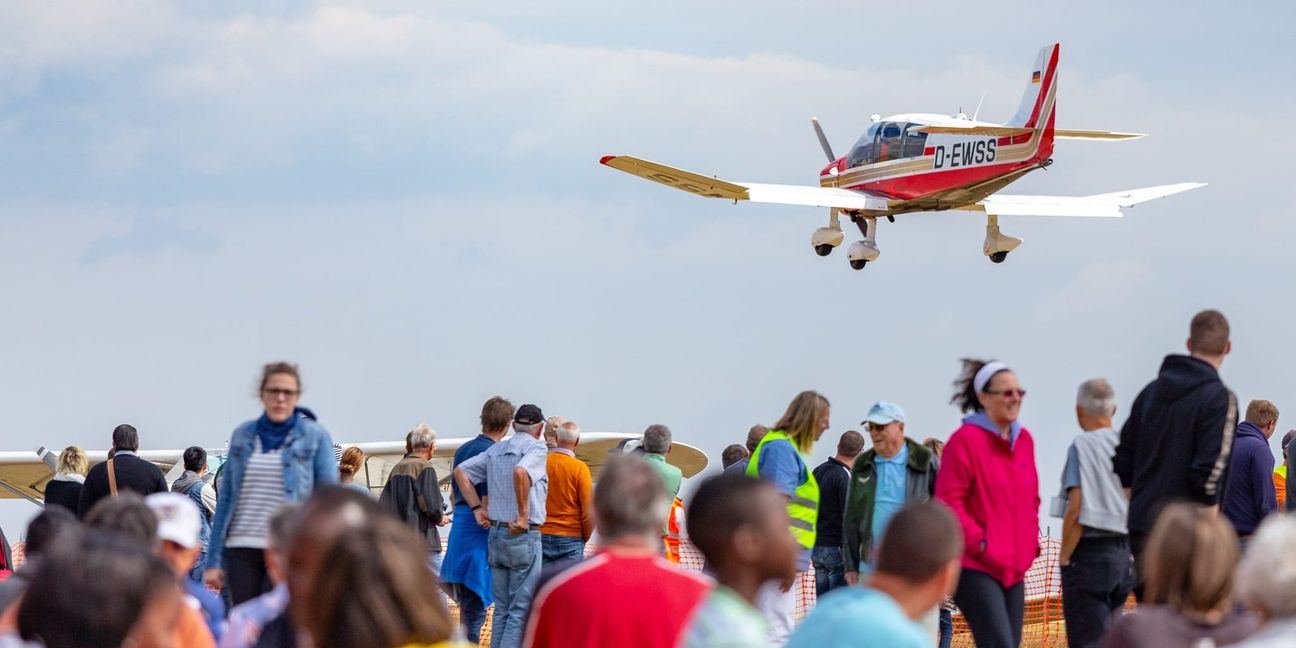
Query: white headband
x,y
986,373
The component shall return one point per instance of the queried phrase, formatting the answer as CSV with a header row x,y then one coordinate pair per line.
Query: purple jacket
x,y
1249,491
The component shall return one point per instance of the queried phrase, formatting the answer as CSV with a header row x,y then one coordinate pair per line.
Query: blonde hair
x,y
1191,556
73,461
1261,413
352,459
801,420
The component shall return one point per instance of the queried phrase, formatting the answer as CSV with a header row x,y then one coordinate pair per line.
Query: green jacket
x,y
857,526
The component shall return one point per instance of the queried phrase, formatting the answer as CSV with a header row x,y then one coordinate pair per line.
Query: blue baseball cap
x,y
884,412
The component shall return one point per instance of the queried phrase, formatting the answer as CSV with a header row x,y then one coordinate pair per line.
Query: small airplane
x,y
925,162
23,475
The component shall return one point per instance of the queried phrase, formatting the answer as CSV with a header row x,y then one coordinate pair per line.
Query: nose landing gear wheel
x,y
998,257
858,264
823,250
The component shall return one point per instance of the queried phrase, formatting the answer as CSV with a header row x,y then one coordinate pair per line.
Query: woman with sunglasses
x,y
280,457
987,476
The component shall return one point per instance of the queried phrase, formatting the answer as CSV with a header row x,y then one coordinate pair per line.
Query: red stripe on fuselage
x,y
921,184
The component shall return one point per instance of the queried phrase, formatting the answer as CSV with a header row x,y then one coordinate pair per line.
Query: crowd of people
x,y
1180,506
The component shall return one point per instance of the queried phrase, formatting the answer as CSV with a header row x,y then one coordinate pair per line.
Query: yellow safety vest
x,y
803,506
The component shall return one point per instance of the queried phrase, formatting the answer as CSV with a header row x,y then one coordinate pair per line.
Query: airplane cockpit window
x,y
914,143
889,140
886,141
863,152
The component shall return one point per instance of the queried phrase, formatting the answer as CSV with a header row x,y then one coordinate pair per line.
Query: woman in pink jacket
x,y
987,476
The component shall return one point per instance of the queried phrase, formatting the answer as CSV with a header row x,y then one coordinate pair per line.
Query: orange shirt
x,y
569,510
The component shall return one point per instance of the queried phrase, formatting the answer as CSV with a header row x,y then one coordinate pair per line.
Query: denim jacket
x,y
308,462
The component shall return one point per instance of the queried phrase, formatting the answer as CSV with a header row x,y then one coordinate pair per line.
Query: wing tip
x,y
606,158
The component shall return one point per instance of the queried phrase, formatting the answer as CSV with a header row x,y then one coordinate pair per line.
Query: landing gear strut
x,y
997,244
861,252
825,239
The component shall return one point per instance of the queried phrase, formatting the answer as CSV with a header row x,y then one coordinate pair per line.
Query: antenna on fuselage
x,y
979,102
823,139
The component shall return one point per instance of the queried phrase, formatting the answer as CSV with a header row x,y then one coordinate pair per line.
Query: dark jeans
x,y
557,548
245,574
830,569
1094,586
993,613
472,613
946,627
1137,541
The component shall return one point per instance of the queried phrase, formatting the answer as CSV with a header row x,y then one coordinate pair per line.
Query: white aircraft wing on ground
x,y
23,475
695,183
1106,205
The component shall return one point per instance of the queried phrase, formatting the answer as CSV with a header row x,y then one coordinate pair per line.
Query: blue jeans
x,y
1094,586
557,548
946,627
515,568
830,571
472,613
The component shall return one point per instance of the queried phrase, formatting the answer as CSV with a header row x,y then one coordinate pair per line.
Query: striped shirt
x,y
260,495
495,468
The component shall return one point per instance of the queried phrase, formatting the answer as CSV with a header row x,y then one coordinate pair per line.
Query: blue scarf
x,y
273,434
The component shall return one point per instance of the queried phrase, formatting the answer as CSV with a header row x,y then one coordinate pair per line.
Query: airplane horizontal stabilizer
x,y
1106,205
701,185
1103,136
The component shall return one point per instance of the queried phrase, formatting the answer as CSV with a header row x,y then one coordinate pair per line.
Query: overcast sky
x,y
404,198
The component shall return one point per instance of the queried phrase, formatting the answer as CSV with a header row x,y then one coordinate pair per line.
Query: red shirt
x,y
615,600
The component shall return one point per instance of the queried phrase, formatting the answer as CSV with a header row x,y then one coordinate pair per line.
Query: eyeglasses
x,y
1007,393
276,392
877,427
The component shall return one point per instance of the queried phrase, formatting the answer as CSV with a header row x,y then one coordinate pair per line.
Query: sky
x,y
405,199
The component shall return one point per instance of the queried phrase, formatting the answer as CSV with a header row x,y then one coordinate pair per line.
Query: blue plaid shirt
x,y
495,467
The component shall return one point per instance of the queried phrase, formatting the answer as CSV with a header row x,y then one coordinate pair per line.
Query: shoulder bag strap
x,y
112,479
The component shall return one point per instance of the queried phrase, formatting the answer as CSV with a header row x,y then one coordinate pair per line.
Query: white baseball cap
x,y
178,518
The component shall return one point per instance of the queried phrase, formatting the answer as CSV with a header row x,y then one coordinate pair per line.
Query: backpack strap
x,y
112,479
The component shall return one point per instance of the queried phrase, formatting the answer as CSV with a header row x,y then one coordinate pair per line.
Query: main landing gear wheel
x,y
998,257
858,264
823,250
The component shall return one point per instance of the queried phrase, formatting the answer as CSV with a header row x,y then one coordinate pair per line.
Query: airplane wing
x,y
1013,131
23,475
1106,205
701,185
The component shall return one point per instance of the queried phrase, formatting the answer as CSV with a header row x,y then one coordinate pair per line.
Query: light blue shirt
x,y
889,496
495,468
782,465
858,617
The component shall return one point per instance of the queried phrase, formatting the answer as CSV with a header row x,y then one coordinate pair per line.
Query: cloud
x,y
149,237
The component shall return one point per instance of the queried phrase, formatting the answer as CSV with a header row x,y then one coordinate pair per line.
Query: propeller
x,y
823,139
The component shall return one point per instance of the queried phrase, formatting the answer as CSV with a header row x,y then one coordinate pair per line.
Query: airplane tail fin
x,y
1036,108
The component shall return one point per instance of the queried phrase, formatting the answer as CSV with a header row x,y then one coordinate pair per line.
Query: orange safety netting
x,y
1043,625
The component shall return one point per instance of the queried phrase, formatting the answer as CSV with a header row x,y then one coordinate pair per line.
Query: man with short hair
x,y
625,595
896,471
754,436
513,510
569,509
656,445
917,567
249,619
741,529
732,454
1096,570
833,476
178,524
1175,444
413,492
191,485
466,568
1249,493
125,471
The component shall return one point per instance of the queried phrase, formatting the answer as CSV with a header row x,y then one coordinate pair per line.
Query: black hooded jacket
x,y
1175,444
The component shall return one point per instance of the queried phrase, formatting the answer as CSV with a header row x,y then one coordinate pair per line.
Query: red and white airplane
x,y
924,162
